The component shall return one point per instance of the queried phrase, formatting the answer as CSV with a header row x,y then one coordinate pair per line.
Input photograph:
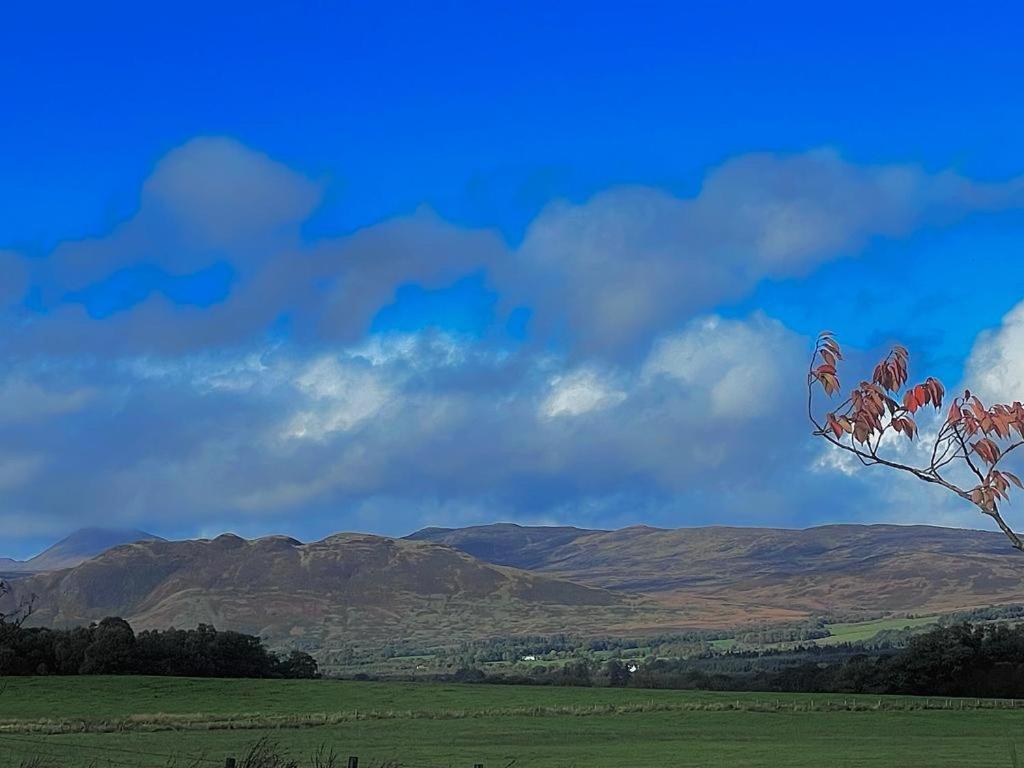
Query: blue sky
x,y
375,266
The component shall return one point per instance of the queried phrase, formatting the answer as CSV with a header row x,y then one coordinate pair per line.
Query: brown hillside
x,y
353,588
347,587
845,568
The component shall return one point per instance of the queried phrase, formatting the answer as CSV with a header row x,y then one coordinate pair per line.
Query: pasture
x,y
853,632
159,722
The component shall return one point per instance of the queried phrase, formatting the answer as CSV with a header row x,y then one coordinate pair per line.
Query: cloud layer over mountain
x,y
211,363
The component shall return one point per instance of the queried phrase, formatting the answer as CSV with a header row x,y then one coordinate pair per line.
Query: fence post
x,y
353,762
229,762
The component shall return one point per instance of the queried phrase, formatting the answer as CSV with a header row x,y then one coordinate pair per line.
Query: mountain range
x,y
345,588
443,585
845,568
80,546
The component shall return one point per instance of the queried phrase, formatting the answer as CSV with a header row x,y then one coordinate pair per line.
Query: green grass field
x,y
151,722
865,630
843,632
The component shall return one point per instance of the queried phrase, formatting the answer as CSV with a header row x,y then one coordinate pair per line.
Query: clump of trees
x,y
783,633
559,647
985,660
111,647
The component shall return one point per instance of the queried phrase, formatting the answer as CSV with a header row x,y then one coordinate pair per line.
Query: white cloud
x,y
207,200
995,368
338,397
634,261
22,400
603,277
742,366
428,422
632,394
221,191
579,392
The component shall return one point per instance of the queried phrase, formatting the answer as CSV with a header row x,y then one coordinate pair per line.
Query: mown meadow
x,y
161,722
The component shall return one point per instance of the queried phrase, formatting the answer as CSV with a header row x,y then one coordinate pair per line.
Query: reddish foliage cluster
x,y
871,408
874,407
971,416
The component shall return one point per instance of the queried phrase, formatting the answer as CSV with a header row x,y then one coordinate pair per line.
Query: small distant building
x,y
529,658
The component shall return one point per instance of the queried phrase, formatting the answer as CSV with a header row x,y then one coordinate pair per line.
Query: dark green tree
x,y
618,675
299,665
111,649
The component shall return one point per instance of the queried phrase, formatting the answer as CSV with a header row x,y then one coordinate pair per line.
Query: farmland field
x,y
841,632
150,722
853,632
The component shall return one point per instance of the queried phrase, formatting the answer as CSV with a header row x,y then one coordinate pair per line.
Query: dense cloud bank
x,y
207,365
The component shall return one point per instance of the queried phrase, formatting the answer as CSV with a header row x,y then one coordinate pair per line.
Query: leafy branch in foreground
x,y
973,438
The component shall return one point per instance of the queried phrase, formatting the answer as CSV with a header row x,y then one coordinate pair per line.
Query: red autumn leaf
x,y
978,408
911,427
954,413
987,450
910,400
1014,479
922,395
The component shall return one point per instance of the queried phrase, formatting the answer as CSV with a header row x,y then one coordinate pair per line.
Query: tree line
x,y
111,647
984,660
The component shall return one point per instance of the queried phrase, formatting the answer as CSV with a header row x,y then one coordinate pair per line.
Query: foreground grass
x,y
541,727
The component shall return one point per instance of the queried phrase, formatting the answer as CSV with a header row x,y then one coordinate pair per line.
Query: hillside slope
x,y
518,546
348,587
845,568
